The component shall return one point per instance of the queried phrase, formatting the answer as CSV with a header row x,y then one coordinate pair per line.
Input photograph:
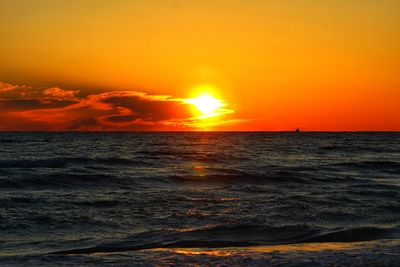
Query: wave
x,y
389,194
371,164
191,155
354,235
241,178
23,141
166,153
224,175
65,180
357,149
63,161
238,236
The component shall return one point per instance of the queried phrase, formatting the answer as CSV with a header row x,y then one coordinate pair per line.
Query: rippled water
x,y
64,194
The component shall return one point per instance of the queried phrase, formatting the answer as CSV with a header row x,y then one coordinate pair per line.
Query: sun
x,y
206,105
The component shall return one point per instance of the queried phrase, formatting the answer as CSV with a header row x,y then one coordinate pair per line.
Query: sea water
x,y
199,198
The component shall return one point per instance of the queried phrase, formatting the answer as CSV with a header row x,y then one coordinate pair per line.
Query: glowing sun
x,y
206,105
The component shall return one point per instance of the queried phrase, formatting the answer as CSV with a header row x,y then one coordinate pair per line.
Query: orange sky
x,y
130,65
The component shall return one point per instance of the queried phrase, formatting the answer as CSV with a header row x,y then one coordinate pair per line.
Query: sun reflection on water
x,y
243,251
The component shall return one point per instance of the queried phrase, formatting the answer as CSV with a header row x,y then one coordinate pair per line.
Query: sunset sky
x,y
331,65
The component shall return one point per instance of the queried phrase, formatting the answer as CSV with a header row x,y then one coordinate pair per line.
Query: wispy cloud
x,y
7,87
60,93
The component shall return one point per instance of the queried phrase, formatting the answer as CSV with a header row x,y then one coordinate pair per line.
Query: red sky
x,y
328,65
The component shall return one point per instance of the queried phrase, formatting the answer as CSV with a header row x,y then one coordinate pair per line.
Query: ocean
x,y
200,199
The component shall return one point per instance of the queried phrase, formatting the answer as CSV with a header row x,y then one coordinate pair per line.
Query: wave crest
x,y
238,236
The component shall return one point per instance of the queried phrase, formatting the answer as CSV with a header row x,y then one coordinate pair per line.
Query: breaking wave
x,y
239,236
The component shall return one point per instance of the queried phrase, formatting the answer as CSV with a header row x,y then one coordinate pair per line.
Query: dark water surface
x,y
65,196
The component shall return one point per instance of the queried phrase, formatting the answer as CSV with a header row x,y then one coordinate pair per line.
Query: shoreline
x,y
382,252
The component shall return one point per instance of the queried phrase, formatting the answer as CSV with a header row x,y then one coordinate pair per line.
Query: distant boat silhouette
x,y
297,130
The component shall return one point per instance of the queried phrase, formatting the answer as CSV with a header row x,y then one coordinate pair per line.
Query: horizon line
x,y
194,131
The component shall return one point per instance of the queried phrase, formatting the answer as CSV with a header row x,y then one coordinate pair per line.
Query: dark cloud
x,y
122,118
151,109
58,109
33,104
